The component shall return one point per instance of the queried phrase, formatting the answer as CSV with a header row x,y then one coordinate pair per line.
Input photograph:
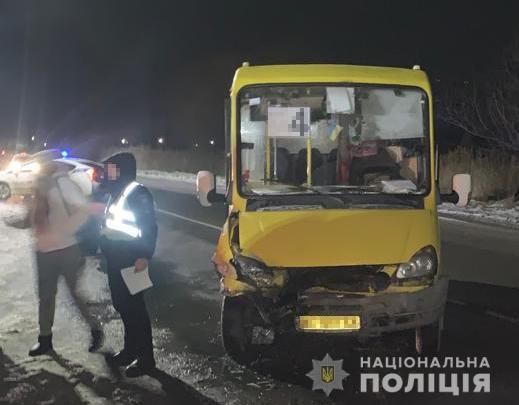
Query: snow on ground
x,y
25,380
15,256
177,176
495,213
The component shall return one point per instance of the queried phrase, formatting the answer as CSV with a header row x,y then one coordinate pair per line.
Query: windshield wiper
x,y
352,189
338,202
378,197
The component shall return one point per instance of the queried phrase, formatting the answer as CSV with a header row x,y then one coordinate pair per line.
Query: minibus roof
x,y
323,73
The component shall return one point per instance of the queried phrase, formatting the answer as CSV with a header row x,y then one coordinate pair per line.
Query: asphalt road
x,y
482,319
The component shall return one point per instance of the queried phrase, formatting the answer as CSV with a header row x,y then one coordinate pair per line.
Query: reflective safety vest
x,y
120,221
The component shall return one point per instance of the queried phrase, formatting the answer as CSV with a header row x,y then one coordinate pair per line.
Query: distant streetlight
x,y
196,144
44,144
211,141
124,141
160,140
33,138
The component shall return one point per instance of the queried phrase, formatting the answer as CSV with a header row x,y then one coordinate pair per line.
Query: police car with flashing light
x,y
20,175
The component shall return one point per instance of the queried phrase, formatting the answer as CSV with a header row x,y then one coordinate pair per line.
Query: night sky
x,y
94,71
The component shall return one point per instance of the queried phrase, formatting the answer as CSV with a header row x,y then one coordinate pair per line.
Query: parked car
x,y
20,176
87,174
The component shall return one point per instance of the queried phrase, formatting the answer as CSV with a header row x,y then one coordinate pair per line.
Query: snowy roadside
x,y
177,176
55,379
178,182
503,213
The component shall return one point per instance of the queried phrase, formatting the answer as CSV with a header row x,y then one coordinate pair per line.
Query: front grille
x,y
349,278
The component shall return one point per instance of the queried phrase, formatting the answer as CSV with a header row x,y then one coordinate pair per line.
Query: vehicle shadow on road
x,y
295,356
181,392
121,390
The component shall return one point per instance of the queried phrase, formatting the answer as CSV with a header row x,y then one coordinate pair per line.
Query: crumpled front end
x,y
357,298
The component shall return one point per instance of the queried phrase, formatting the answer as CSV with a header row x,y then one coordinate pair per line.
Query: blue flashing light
x,y
64,153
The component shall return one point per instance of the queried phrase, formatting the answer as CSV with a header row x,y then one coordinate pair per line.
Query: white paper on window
x,y
340,100
288,122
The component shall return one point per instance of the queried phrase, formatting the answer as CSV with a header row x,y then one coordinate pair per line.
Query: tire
x,y
5,191
428,338
238,315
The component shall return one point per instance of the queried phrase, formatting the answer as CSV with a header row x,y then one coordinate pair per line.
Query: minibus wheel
x,y
238,314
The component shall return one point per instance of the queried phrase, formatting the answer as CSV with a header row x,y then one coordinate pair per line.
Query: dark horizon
x,y
78,71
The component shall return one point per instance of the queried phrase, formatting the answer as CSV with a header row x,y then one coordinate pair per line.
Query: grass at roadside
x,y
495,174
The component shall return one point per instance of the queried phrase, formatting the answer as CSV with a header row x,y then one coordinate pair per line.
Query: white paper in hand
x,y
136,282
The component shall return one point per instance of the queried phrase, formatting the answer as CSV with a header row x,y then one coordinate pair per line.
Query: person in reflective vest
x,y
128,239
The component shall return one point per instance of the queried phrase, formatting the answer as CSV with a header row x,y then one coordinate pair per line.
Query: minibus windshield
x,y
333,139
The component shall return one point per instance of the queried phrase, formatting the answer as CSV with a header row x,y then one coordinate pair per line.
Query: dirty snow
x,y
177,176
495,213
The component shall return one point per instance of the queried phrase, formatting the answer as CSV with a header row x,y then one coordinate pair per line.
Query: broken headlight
x,y
422,264
254,271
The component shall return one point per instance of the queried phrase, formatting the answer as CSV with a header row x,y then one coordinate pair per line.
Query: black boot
x,y
43,346
122,359
98,338
140,367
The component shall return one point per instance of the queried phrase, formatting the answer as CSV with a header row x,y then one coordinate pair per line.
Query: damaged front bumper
x,y
367,294
379,313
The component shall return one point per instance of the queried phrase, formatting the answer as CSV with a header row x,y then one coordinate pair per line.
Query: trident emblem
x,y
327,374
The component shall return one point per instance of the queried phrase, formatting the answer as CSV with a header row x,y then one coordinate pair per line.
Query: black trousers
x,y
132,308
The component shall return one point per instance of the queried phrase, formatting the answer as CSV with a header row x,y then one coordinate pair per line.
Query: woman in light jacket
x,y
60,208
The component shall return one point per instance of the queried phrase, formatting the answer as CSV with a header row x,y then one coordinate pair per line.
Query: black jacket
x,y
123,253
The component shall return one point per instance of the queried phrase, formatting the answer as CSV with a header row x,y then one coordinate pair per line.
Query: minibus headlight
x,y
254,271
422,264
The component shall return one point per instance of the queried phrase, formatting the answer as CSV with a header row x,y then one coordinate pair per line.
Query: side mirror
x,y
462,185
204,186
461,188
206,189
